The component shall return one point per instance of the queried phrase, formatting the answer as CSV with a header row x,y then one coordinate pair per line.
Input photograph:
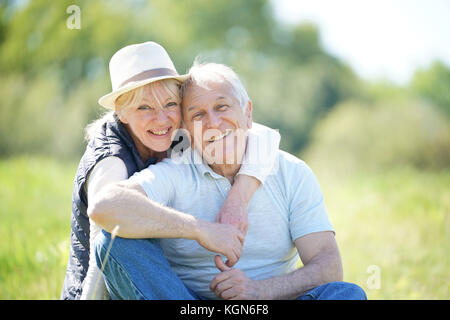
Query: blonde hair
x,y
133,97
93,127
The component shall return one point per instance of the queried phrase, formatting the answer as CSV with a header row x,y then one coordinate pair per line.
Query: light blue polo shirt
x,y
289,205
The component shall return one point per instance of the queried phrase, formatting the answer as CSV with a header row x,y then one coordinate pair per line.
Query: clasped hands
x,y
226,236
232,283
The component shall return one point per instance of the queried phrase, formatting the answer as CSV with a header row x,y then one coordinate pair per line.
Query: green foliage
x,y
433,85
292,98
394,133
36,122
52,76
55,75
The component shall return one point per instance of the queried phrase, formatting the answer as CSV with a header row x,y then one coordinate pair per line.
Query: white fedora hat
x,y
137,65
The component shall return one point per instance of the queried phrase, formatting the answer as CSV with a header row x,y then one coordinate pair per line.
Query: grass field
x,y
397,226
35,202
393,230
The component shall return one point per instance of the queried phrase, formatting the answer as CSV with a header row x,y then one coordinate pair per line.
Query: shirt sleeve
x,y
260,159
106,171
307,207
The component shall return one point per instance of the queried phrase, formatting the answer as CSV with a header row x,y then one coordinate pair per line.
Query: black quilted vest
x,y
110,139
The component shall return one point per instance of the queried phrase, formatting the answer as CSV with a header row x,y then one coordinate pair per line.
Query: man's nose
x,y
214,121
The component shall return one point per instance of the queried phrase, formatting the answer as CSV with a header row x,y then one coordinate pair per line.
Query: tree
x,y
54,75
433,84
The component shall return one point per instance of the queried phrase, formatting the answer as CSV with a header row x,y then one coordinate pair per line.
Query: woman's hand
x,y
221,238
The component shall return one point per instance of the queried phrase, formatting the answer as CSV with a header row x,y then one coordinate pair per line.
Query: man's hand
x,y
234,212
221,238
233,284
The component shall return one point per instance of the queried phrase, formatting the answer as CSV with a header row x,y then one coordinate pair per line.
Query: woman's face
x,y
154,120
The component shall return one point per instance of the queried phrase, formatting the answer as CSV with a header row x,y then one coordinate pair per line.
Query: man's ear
x,y
248,114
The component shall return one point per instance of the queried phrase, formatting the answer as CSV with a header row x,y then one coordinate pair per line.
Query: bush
x,y
432,84
38,118
356,136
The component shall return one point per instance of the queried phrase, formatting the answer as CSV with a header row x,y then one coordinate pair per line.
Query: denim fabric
x,y
335,291
136,269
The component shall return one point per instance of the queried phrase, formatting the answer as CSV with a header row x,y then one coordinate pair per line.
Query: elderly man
x,y
287,215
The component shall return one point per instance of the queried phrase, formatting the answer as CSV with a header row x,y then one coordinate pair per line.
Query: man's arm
x,y
126,205
322,264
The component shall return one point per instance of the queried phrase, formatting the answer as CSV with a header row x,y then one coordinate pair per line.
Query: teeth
x,y
223,135
159,133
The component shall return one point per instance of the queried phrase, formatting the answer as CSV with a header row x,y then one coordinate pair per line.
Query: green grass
x,y
398,221
35,207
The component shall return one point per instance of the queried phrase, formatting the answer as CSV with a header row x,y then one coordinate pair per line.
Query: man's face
x,y
216,122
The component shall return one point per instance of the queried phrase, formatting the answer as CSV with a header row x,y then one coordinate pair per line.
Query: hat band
x,y
153,73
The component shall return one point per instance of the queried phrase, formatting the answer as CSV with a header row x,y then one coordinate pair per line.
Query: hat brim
x,y
108,100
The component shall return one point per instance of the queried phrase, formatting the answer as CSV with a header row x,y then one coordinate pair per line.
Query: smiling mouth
x,y
219,137
160,132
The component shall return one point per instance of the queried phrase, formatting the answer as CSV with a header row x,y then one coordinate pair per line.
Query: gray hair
x,y
203,73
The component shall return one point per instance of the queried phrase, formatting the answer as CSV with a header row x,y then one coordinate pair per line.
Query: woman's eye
x,y
144,107
171,104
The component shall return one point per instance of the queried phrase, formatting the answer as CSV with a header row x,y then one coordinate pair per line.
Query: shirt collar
x,y
202,167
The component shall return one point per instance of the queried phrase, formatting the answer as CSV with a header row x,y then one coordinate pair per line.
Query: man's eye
x,y
222,107
197,116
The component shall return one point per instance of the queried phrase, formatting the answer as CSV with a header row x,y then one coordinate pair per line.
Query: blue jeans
x,y
335,291
136,269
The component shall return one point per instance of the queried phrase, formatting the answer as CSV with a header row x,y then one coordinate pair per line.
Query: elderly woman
x,y
138,132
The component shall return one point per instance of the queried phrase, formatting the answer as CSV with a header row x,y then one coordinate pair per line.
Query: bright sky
x,y
386,39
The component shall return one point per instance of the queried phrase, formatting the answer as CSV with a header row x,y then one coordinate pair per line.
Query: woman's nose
x,y
161,116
